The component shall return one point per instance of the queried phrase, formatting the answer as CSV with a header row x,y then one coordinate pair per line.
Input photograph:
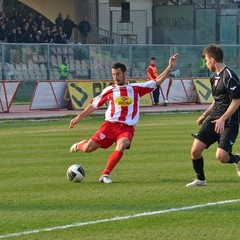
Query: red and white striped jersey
x,y
123,101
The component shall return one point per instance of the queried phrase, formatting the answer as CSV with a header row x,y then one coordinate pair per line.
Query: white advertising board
x,y
8,90
50,95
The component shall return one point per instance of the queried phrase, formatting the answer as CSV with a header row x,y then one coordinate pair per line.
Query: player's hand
x,y
200,120
173,59
219,125
73,122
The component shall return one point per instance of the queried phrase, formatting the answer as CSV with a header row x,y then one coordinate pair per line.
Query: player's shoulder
x,y
149,83
230,72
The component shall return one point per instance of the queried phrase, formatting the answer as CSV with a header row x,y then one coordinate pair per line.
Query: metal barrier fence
x,y
32,62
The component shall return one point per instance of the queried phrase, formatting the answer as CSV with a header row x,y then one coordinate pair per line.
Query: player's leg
x,y
84,146
152,99
198,163
116,155
124,137
168,90
99,139
114,158
203,139
224,151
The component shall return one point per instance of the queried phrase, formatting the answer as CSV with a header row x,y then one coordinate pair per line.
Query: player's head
x,y
152,60
119,72
213,54
214,51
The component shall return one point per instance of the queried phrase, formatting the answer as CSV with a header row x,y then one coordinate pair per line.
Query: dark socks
x,y
198,165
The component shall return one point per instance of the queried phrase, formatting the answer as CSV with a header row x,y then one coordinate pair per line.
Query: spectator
x,y
33,29
3,33
10,25
60,37
152,75
25,32
3,19
49,37
63,69
30,21
203,67
37,38
29,15
23,22
19,36
84,28
41,35
59,21
39,20
30,38
42,28
12,37
17,18
68,26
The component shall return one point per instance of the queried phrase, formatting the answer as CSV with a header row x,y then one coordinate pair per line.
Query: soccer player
x,y
221,119
121,115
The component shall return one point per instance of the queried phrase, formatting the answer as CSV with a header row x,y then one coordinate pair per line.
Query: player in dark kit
x,y
221,119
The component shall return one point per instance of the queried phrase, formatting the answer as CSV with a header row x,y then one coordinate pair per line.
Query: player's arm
x,y
87,111
219,123
231,109
171,64
205,114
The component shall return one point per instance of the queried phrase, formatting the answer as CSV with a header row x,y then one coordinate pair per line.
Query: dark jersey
x,y
225,87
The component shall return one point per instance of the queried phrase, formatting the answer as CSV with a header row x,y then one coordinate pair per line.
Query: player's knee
x,y
122,145
87,148
222,156
195,153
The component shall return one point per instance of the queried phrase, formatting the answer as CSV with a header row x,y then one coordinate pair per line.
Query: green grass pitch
x,y
37,201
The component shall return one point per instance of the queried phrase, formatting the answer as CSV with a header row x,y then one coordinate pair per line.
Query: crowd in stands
x,y
30,29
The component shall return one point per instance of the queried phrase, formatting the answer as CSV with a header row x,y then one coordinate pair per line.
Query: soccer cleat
x,y
197,183
74,147
105,179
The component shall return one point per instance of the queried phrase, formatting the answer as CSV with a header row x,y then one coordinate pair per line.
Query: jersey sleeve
x,y
102,98
144,88
234,87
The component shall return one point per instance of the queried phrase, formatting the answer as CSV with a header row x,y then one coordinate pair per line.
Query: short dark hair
x,y
214,51
119,65
153,58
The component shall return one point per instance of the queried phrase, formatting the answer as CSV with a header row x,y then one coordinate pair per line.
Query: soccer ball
x,y
75,173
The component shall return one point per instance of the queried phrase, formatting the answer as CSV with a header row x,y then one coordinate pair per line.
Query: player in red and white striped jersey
x,y
121,116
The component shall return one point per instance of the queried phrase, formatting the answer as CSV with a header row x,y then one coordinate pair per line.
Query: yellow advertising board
x,y
81,92
203,89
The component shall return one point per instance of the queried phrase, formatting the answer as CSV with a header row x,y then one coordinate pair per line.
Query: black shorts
x,y
225,140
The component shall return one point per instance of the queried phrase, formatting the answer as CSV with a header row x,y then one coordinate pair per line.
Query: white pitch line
x,y
79,224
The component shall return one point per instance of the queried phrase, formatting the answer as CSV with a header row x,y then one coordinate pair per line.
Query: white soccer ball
x,y
75,173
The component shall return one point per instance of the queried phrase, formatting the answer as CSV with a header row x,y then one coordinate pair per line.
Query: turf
x,y
151,177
